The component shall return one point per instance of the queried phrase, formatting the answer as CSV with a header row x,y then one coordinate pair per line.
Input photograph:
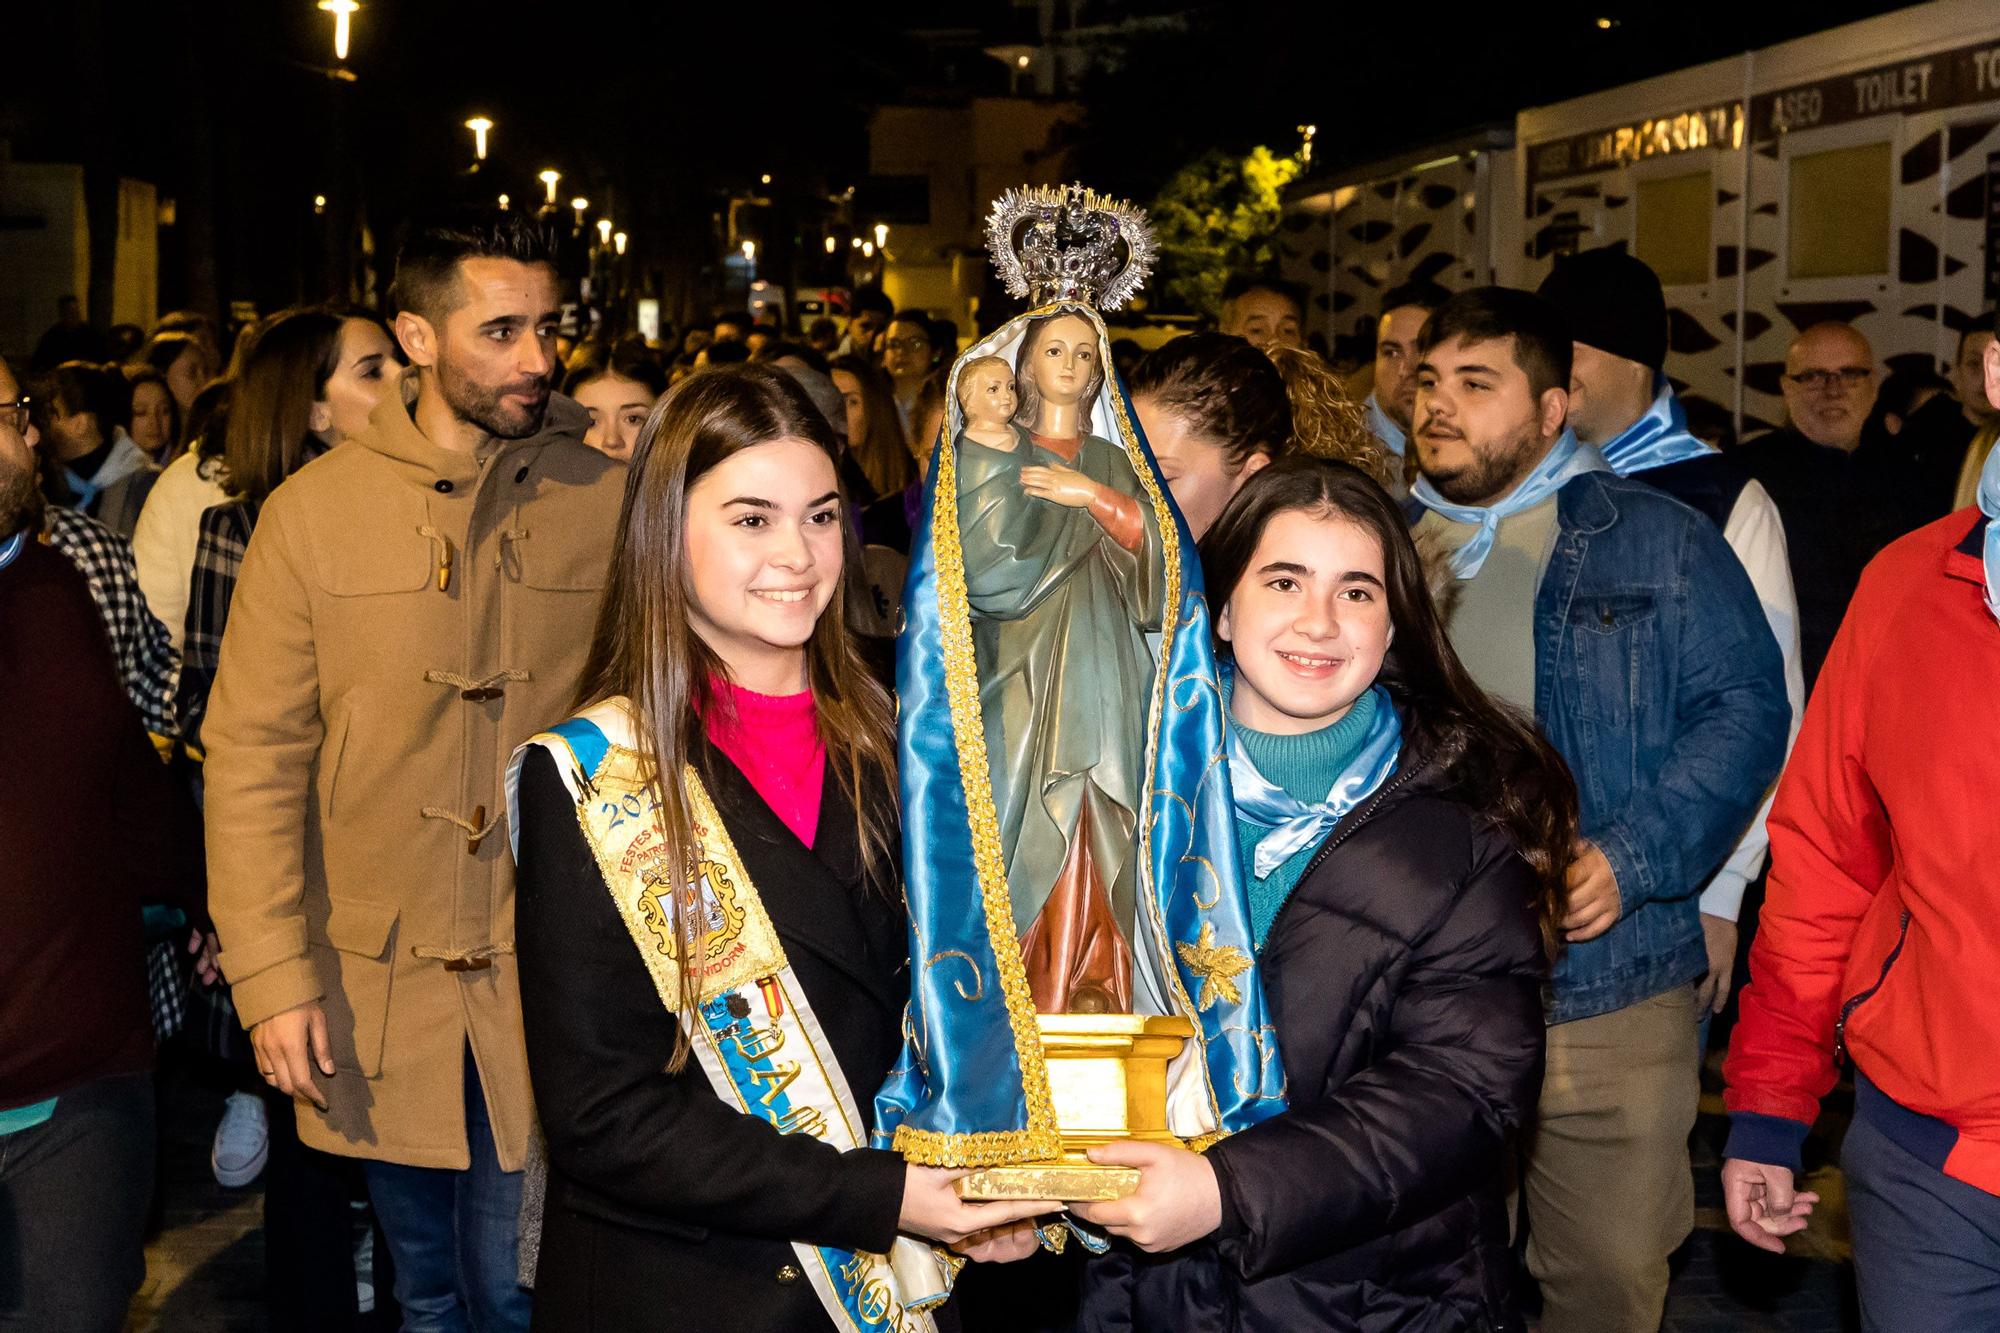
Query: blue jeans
x,y
453,1234
1926,1247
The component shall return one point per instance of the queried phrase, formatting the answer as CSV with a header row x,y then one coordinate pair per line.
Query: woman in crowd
x,y
723,697
1215,411
98,470
619,387
170,525
183,360
156,417
1404,841
309,382
875,436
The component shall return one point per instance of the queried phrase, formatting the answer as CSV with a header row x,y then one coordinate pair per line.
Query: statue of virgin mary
x,y
1067,827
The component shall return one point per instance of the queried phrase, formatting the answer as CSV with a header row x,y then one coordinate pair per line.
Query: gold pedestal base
x,y
1108,1080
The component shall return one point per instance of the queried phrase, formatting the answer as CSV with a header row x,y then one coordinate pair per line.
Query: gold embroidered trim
x,y
1040,1139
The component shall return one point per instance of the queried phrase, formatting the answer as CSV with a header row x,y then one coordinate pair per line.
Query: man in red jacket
x,y
1880,940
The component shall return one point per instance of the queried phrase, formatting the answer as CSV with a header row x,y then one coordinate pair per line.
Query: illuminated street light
x,y
549,178
750,252
319,203
503,203
881,236
868,249
343,12
604,231
1606,24
1306,133
856,242
831,245
765,178
1020,62
479,125
618,241
582,206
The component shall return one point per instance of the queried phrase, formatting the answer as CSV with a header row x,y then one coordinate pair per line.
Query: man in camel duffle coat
x,y
406,616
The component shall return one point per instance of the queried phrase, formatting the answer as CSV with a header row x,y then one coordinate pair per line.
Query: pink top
x,y
774,739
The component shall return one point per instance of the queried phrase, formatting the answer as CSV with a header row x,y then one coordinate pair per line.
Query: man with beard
x,y
93,827
1620,619
413,605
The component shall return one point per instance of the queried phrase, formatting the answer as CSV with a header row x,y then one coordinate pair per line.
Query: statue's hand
x,y
1060,485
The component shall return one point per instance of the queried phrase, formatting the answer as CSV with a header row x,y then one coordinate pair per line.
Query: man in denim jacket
x,y
1622,620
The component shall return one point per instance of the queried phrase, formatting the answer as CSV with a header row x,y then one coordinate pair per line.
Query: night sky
x,y
659,109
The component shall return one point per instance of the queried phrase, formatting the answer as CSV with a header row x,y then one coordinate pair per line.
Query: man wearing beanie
x,y
1620,401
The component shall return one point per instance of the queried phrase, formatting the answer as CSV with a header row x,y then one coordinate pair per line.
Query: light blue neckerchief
x,y
82,492
1567,458
12,547
1656,439
1385,427
1989,505
1295,825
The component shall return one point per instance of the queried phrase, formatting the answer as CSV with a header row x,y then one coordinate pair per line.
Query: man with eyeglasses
x,y
1808,469
93,827
908,353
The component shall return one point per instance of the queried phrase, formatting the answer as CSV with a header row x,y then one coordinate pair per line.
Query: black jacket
x,y
665,1207
1826,530
1405,977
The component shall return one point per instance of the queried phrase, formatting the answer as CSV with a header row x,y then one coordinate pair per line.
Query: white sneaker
x,y
242,1141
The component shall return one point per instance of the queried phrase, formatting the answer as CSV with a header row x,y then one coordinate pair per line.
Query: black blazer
x,y
665,1207
1405,977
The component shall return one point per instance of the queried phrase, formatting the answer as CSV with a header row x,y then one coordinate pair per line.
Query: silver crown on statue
x,y
1067,243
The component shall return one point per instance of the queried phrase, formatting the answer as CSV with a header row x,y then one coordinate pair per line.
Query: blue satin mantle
x,y
1656,439
971,1064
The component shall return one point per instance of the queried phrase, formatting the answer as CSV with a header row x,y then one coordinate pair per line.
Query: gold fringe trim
x,y
1000,1147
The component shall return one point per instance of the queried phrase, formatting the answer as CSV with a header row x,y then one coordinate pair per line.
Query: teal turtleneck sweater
x,y
1306,766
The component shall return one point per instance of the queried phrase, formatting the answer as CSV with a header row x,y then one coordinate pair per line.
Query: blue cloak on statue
x,y
971,1088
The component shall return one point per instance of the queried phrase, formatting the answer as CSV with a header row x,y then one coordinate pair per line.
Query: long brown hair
x,y
269,430
1489,757
645,646
883,453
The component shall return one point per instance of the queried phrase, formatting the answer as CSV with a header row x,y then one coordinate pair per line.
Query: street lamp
x,y
1306,133
831,245
503,203
749,252
868,249
881,236
343,13
765,179
855,243
549,178
581,205
479,125
618,241
319,203
604,231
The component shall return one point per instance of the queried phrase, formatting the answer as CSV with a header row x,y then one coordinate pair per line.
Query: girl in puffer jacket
x,y
1404,839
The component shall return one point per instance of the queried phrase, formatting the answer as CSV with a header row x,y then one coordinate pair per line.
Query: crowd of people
x,y
275,615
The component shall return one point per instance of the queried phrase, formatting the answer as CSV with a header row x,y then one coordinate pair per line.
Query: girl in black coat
x,y
1406,898
721,649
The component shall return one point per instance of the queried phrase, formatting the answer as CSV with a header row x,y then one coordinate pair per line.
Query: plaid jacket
x,y
218,556
139,642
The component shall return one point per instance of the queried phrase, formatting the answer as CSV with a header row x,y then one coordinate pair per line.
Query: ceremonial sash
x,y
755,1035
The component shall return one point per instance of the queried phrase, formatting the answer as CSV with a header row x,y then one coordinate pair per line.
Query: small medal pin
x,y
774,996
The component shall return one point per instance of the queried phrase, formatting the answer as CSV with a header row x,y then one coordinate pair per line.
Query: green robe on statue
x,y
1060,611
